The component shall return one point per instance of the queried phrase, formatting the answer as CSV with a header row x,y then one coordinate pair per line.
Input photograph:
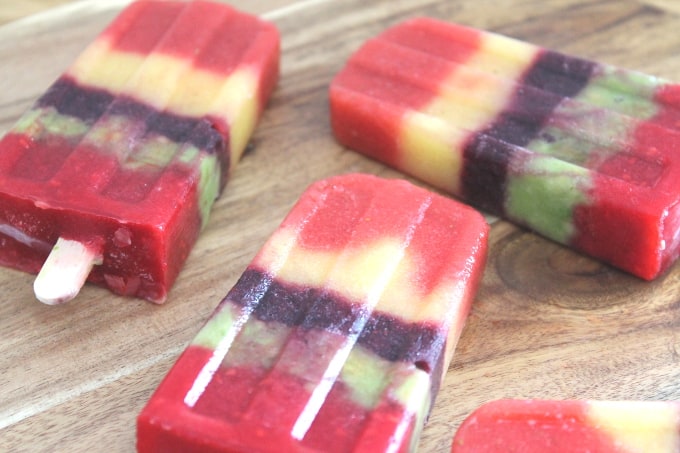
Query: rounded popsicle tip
x,y
65,271
46,293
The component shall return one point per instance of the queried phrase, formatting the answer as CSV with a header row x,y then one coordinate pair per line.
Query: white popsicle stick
x,y
65,271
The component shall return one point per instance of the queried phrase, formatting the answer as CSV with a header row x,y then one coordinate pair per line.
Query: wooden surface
x,y
10,11
547,322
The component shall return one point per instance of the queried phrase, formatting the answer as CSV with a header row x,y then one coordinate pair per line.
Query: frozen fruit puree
x,y
579,151
125,153
571,426
337,335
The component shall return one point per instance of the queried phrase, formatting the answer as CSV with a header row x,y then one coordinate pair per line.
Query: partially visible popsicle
x,y
571,426
337,335
581,152
119,162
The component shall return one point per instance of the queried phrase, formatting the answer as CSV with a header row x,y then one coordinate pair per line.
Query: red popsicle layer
x,y
126,152
337,335
571,426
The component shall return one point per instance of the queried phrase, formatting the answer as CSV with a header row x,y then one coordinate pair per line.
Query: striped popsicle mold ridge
x,y
547,140
135,141
340,328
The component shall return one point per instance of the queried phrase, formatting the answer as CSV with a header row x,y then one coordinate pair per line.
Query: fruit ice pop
x,y
113,171
336,336
571,426
582,152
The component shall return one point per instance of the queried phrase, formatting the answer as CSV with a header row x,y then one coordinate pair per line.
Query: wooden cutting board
x,y
547,322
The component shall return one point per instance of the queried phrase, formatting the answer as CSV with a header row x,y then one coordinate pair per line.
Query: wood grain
x,y
10,11
547,322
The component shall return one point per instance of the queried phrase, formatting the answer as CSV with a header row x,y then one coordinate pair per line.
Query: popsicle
x,y
337,335
581,152
113,171
571,426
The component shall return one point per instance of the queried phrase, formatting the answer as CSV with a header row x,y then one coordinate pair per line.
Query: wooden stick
x,y
65,271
